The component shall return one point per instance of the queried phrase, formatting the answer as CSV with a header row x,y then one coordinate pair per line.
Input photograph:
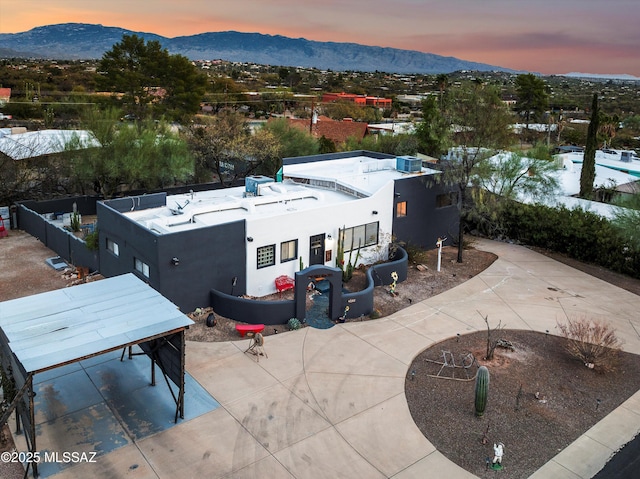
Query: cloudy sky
x,y
546,36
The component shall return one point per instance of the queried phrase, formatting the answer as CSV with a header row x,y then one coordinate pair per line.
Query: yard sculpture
x,y
498,452
392,289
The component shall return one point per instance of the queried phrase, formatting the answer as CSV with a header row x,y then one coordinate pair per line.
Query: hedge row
x,y
580,234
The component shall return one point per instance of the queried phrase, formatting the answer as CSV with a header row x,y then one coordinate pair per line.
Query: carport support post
x,y
32,413
182,373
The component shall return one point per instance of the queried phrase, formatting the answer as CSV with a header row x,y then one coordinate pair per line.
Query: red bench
x,y
283,283
249,328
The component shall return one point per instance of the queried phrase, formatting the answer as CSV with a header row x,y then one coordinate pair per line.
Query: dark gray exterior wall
x,y
209,258
425,222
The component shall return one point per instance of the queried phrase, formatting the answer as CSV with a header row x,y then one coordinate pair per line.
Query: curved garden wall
x,y
360,303
252,311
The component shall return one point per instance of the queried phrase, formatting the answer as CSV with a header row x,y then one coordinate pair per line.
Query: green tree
x,y
292,141
147,75
433,132
588,172
225,150
443,82
627,220
482,127
148,156
532,97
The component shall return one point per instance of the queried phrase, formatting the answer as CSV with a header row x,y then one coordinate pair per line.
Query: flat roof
x,y
316,184
51,329
20,146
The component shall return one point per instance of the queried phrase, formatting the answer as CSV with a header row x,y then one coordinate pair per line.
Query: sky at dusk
x,y
546,36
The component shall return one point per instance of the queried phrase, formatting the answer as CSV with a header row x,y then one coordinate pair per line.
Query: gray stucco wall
x,y
425,222
208,258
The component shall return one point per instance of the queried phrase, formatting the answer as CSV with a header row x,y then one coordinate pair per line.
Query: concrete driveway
x,y
330,403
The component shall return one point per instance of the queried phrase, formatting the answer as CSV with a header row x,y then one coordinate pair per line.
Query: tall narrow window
x,y
113,247
141,267
266,256
401,209
288,250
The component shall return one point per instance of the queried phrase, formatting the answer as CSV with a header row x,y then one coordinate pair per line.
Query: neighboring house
x,y
336,131
607,181
24,145
37,161
626,161
5,95
239,240
362,100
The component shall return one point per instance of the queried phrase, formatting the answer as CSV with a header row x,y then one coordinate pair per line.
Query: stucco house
x,y
238,240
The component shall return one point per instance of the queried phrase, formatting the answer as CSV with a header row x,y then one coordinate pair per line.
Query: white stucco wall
x,y
301,225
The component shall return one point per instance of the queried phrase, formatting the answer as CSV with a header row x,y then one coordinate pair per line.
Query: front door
x,y
316,249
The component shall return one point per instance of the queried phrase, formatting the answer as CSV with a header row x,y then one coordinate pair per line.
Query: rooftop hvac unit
x,y
408,164
251,184
626,156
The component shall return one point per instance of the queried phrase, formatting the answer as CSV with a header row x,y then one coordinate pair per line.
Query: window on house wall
x,y
401,209
266,256
113,247
288,250
362,235
141,267
447,199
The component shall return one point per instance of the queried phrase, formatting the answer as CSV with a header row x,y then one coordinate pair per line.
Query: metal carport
x,y
53,329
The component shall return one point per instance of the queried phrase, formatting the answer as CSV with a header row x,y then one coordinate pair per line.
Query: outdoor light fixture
x,y
374,212
249,239
175,261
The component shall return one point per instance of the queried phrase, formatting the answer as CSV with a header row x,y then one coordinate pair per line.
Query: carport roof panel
x,y
54,328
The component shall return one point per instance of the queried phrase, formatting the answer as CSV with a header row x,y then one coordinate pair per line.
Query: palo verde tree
x,y
588,172
143,156
148,77
482,126
509,177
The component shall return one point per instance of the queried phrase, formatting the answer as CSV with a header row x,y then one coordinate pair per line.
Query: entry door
x,y
316,249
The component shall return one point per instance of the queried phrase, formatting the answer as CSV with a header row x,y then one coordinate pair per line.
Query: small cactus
x,y
294,323
482,390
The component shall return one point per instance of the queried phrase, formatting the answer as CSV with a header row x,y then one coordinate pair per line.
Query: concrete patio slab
x,y
372,431
326,455
277,418
340,396
125,462
213,446
434,465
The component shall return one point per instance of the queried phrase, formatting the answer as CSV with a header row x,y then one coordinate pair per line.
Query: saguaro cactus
x,y
482,390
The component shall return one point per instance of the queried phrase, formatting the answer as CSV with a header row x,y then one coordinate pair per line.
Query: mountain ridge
x,y
74,41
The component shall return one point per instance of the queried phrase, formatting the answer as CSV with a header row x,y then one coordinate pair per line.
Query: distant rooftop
x,y
20,146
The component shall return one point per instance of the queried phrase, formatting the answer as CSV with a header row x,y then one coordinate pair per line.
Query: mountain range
x,y
72,41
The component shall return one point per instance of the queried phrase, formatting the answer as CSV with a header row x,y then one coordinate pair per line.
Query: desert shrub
x,y
592,342
92,240
294,323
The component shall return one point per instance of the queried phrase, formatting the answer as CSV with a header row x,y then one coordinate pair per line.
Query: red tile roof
x,y
336,131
